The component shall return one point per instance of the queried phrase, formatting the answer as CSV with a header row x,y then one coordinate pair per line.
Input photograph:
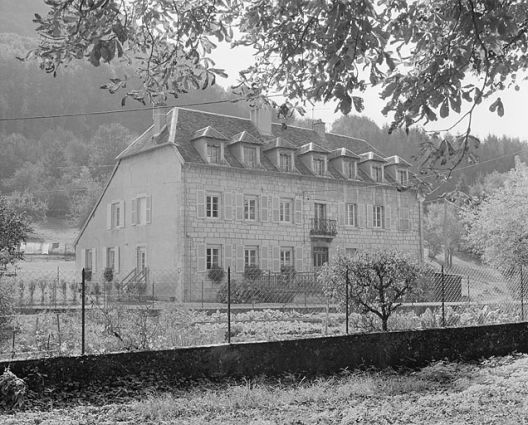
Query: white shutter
x,y
276,258
298,211
133,212
200,203
387,217
240,206
108,216
299,258
275,205
228,256
264,258
149,209
341,213
83,258
228,206
200,256
361,215
264,208
240,258
116,266
122,216
369,216
94,260
104,262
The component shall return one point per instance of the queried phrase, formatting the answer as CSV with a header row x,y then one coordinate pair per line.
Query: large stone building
x,y
199,190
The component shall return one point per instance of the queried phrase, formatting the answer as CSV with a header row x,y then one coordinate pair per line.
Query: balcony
x,y
323,228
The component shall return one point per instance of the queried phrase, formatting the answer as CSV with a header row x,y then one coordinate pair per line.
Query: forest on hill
x,y
57,166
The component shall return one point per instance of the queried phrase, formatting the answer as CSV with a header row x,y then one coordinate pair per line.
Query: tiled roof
x,y
395,159
245,137
311,147
190,122
371,156
336,153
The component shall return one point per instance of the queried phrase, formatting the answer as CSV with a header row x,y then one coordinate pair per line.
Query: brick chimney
x,y
261,119
160,118
320,128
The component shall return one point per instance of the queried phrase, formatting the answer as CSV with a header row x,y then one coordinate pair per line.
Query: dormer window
x,y
285,162
213,154
250,156
350,168
377,173
402,177
319,166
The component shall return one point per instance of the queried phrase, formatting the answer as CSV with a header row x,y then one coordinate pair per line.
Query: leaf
x,y
444,109
497,106
359,104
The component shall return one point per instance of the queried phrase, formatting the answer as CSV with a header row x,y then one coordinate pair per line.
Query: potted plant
x,y
216,273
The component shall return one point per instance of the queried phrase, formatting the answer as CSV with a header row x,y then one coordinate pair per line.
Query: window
x,y
378,216
213,257
377,173
405,219
350,214
285,162
212,203
402,177
286,257
250,156
88,259
285,212
142,209
319,166
111,258
250,208
250,257
320,256
117,215
350,169
141,259
213,154
350,252
319,211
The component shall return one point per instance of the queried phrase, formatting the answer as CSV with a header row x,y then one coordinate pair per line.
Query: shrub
x,y
108,274
243,293
216,274
252,273
12,389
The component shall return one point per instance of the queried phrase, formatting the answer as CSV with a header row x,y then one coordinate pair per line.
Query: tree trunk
x,y
384,321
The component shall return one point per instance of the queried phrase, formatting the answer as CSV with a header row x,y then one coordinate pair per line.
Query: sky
x,y
513,124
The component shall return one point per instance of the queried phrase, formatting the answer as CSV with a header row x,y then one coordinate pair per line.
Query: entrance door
x,y
141,259
320,256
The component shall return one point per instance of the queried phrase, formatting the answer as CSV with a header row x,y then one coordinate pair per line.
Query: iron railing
x,y
323,227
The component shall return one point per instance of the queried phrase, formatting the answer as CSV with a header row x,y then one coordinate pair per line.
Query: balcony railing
x,y
323,227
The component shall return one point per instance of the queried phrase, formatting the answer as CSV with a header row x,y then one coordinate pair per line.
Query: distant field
x,y
45,266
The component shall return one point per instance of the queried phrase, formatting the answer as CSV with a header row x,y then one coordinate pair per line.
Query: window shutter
x,y
299,258
240,258
264,208
370,213
264,258
133,211
361,215
94,260
341,213
108,216
276,258
149,209
240,206
298,211
200,204
105,259
388,217
228,256
200,255
116,266
275,205
122,217
83,258
228,206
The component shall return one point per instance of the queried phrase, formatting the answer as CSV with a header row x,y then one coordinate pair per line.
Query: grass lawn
x,y
492,392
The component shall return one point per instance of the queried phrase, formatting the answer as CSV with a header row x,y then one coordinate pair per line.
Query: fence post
x,y
443,297
229,305
83,310
347,282
522,295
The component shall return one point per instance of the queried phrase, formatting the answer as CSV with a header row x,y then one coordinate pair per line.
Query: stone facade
x,y
194,195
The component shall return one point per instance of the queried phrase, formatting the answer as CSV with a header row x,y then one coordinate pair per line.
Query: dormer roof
x,y
245,137
311,147
279,142
395,159
208,132
371,156
342,152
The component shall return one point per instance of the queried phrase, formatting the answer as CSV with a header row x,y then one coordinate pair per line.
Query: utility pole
x,y
446,255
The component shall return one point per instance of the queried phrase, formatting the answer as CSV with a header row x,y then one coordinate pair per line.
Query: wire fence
x,y
57,314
